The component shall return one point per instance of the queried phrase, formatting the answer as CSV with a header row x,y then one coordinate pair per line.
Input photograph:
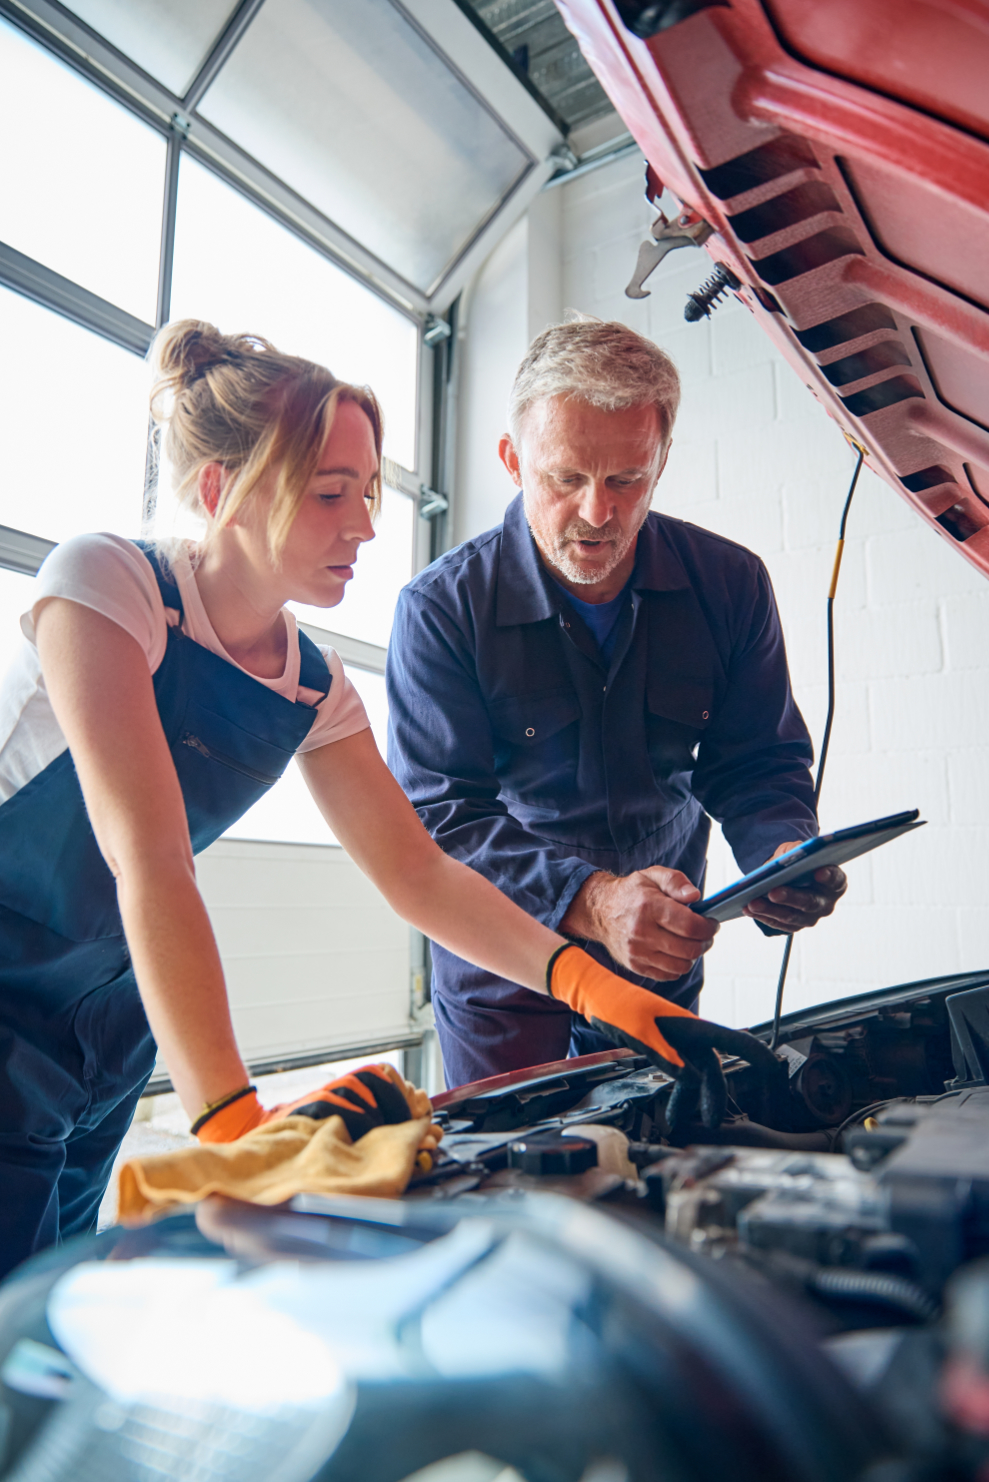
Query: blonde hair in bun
x,y
237,401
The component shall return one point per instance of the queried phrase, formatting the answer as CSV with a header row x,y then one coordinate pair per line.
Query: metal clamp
x,y
688,230
431,503
435,331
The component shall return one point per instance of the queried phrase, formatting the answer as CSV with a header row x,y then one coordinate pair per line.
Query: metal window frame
x,y
22,552
355,652
464,50
35,281
73,42
411,1043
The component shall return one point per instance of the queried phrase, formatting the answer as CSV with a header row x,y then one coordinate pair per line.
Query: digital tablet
x,y
798,865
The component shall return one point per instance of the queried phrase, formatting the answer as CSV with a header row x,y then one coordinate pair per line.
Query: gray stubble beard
x,y
555,553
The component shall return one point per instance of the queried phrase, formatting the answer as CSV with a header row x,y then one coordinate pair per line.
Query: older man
x,y
575,691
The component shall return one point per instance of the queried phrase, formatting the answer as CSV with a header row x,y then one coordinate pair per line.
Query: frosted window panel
x,y
287,814
170,39
383,567
73,426
172,520
371,688
15,597
358,113
81,179
238,268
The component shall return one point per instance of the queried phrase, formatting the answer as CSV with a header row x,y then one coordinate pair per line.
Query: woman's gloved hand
x,y
370,1097
671,1037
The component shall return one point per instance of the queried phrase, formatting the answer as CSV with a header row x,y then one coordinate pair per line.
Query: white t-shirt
x,y
110,575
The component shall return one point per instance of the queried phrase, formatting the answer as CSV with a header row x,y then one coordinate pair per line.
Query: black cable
x,y
826,743
884,1288
859,1116
780,982
876,1106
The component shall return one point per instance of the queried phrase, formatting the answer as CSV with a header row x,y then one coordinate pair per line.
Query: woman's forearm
x,y
462,911
451,903
178,971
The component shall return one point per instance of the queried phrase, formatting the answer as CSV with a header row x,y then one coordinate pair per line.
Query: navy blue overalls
x,y
75,1047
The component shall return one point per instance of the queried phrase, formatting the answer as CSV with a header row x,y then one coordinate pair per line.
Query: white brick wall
x,y
757,459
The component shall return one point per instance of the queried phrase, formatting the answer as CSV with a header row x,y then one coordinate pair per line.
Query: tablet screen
x,y
834,848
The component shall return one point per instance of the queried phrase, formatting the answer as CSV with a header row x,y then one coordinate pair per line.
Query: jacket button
x,y
705,715
529,731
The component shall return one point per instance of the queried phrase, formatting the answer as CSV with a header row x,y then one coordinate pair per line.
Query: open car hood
x,y
839,152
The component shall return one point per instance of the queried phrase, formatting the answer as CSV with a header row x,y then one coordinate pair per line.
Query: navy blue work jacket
x,y
529,758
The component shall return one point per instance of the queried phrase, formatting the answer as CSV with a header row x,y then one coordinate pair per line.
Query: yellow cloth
x,y
296,1155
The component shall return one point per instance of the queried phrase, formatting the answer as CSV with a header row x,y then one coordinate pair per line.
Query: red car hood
x,y
839,151
517,1080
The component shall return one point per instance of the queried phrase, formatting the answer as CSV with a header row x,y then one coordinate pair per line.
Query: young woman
x,y
157,696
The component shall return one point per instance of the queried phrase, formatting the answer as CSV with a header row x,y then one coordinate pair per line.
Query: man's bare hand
x,y
792,907
643,920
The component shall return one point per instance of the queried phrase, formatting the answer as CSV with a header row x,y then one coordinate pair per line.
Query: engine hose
x,y
745,1134
882,1287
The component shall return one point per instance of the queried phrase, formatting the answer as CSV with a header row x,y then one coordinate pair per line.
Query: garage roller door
x,y
317,964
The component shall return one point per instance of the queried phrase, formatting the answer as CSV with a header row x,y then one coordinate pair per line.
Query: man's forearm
x,y
642,919
584,917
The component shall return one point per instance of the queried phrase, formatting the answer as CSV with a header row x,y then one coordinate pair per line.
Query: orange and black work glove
x,y
671,1037
367,1098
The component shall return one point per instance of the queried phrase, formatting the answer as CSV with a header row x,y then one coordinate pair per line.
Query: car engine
x,y
570,1294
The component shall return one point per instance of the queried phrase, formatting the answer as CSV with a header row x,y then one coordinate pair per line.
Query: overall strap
x,y
166,585
314,672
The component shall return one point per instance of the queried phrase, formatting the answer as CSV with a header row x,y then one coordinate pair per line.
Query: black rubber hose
x,y
881,1287
746,1134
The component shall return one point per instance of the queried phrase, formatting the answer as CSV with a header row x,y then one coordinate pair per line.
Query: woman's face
x,y
334,518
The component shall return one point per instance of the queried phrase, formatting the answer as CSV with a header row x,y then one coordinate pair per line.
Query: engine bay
x,y
869,1153
570,1294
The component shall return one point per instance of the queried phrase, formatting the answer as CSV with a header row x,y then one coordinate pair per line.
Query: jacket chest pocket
x,y
677,715
537,747
530,721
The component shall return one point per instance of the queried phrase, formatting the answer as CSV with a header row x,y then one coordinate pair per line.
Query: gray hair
x,y
600,362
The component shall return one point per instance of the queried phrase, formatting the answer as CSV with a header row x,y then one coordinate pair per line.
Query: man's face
x,y
588,477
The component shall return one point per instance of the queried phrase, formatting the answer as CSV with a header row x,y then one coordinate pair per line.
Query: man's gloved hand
x,y
670,1036
366,1098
